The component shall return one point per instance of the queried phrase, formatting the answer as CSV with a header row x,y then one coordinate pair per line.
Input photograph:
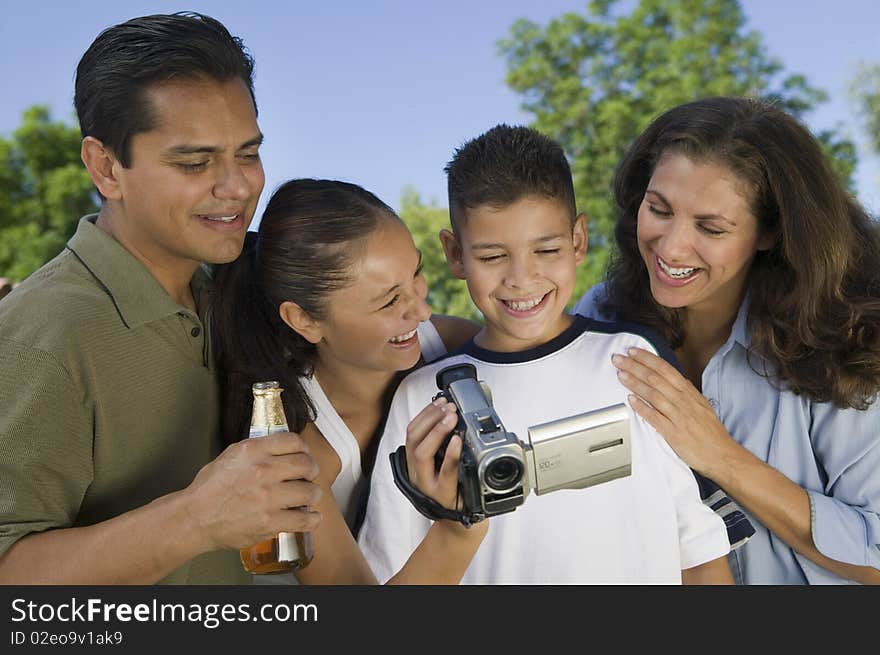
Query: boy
x,y
516,239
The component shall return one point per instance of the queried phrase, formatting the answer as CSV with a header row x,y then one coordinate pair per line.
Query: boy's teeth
x,y
523,305
403,337
675,272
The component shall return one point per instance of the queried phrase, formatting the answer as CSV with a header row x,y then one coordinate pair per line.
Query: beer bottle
x,y
289,551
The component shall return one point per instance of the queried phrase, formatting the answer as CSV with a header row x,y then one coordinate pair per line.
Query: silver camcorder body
x,y
497,470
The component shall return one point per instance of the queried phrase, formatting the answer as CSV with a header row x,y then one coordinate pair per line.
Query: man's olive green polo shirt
x,y
108,394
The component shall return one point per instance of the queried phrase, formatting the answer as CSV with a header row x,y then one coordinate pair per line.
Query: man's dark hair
x,y
505,165
125,60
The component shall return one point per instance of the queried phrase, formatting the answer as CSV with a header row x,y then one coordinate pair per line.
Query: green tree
x,y
594,81
865,90
446,294
44,190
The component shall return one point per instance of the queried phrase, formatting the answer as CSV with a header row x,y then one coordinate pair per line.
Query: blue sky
x,y
381,92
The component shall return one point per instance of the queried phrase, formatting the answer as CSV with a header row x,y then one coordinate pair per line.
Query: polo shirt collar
x,y
137,295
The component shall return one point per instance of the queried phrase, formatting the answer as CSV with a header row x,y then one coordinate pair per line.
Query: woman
x,y
328,298
737,243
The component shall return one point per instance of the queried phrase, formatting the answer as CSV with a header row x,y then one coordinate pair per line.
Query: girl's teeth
x,y
403,337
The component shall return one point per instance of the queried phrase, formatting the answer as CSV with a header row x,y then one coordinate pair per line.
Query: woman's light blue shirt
x,y
833,453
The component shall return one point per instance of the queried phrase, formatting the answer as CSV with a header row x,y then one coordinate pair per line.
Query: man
x,y
110,462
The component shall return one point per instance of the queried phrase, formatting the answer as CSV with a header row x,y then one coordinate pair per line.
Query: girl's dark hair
x,y
309,236
814,312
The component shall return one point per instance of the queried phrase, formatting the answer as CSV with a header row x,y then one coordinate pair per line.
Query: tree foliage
x,y
44,190
866,92
594,81
446,294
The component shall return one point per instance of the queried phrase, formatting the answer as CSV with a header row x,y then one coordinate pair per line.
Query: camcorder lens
x,y
503,473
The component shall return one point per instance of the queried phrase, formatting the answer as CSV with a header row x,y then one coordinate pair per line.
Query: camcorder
x,y
497,470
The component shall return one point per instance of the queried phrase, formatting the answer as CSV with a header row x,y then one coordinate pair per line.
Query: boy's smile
x,y
519,262
525,306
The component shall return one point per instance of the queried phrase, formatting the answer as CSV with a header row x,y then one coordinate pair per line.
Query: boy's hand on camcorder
x,y
424,437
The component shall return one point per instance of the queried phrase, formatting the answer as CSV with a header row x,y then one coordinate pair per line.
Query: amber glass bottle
x,y
289,551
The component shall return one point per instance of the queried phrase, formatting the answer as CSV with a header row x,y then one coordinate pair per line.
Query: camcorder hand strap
x,y
427,506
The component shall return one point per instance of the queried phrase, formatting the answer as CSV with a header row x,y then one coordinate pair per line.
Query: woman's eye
x,y
391,302
654,209
711,231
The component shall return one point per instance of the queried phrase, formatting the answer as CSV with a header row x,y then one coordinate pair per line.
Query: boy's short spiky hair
x,y
504,165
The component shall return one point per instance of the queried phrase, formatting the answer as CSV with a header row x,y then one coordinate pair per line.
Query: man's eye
x,y
193,168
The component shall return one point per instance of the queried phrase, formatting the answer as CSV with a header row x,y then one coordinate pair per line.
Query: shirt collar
x,y
137,295
740,330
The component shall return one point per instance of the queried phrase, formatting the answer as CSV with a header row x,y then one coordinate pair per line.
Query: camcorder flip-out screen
x,y
580,451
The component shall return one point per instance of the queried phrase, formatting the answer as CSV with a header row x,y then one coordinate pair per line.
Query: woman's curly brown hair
x,y
814,297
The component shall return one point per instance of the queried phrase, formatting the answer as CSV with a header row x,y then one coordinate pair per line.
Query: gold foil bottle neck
x,y
268,412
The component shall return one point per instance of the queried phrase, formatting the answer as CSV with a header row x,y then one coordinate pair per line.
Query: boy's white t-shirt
x,y
642,529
